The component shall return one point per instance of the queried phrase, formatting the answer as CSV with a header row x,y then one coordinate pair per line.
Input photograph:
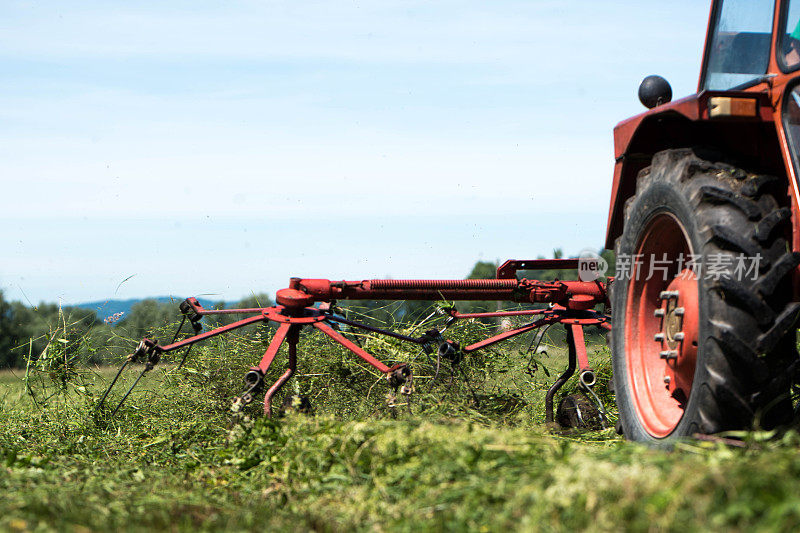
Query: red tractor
x,y
705,226
711,178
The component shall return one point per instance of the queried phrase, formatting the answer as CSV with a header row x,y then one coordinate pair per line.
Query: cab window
x,y
790,39
791,121
738,53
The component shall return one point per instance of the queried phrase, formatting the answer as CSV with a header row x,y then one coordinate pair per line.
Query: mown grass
x,y
467,454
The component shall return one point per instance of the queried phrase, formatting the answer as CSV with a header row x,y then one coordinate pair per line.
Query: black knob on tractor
x,y
654,91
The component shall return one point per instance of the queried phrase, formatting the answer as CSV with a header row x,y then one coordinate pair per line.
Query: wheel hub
x,y
678,334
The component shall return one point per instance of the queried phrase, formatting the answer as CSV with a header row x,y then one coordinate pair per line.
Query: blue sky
x,y
219,148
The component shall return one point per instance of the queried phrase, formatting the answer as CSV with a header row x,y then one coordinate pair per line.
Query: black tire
x,y
746,348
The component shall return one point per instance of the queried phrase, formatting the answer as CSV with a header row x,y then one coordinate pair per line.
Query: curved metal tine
x,y
538,338
447,324
180,327
436,374
108,390
600,408
129,392
418,324
452,379
197,329
536,335
572,362
185,355
175,337
469,386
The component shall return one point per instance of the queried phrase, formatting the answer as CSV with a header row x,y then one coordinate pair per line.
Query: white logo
x,y
591,266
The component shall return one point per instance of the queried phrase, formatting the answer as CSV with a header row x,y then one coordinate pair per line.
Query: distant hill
x,y
105,308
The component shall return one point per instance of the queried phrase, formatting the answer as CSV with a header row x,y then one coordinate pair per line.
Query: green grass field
x,y
468,454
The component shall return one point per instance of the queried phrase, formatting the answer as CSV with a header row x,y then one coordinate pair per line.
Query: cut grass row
x,y
175,459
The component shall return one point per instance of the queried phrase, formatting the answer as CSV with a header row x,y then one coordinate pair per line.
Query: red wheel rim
x,y
661,318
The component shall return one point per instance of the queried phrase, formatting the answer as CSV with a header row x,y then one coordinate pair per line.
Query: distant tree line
x,y
26,331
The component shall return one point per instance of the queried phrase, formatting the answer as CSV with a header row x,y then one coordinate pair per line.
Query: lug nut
x,y
658,313
658,337
668,354
679,311
666,295
678,336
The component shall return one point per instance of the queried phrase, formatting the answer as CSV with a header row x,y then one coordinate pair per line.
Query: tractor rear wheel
x,y
703,338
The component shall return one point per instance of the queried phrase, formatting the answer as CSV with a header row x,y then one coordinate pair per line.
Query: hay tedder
x,y
703,306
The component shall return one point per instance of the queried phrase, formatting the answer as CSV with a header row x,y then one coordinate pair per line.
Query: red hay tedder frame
x,y
310,303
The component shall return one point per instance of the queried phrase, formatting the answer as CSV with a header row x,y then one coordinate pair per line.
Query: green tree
x,y
149,318
8,334
254,300
27,330
611,259
483,270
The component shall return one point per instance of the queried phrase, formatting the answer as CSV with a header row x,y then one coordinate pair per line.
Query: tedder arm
x,y
572,303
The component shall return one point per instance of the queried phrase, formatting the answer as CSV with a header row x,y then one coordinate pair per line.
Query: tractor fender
x,y
749,142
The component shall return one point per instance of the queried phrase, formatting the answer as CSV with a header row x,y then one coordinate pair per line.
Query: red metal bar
x,y
562,379
202,311
274,346
508,270
492,314
403,289
274,389
580,347
333,334
231,311
293,338
441,284
508,334
213,333
304,292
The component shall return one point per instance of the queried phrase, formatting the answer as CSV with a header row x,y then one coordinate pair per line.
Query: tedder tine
x,y
130,390
111,386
